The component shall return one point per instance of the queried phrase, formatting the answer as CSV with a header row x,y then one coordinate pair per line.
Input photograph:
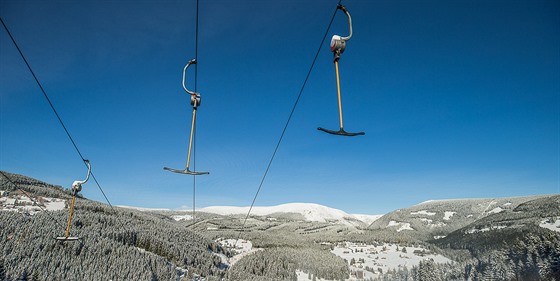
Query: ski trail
x,y
487,207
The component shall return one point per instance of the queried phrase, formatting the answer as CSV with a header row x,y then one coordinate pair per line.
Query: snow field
x,y
423,212
22,203
402,225
385,257
495,210
54,204
182,217
311,212
553,224
302,276
447,215
242,249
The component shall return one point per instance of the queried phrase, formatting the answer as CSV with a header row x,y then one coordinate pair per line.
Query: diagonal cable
x,y
287,123
31,198
57,116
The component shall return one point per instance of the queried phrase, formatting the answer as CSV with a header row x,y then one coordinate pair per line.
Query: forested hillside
x,y
437,218
116,244
511,244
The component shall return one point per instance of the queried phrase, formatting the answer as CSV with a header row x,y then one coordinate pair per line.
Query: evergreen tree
x,y
2,270
427,271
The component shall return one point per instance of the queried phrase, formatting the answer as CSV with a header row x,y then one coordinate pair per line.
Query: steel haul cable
x,y
59,119
195,90
287,124
31,198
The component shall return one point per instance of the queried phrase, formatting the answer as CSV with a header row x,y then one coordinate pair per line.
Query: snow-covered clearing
x,y
428,221
54,204
370,259
368,219
447,215
182,217
423,212
8,201
18,202
302,276
495,210
402,225
242,249
486,209
551,223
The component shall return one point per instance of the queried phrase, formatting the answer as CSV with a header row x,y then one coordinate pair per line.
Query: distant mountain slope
x,y
508,225
437,218
308,211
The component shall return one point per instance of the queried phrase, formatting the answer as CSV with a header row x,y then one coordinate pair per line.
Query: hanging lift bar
x,y
338,45
76,187
195,102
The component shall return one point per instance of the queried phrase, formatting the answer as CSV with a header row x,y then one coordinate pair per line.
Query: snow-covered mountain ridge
x,y
435,219
310,212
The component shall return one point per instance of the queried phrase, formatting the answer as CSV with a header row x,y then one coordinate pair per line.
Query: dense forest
x,y
282,263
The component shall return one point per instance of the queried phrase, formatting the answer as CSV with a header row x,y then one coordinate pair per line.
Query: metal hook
x,y
77,185
193,61
338,42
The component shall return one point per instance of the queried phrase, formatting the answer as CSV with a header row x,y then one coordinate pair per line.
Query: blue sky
x,y
458,99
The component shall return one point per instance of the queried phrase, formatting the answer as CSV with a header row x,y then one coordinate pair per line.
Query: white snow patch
x,y
143,209
507,204
54,204
439,236
405,226
381,256
242,249
495,210
402,225
25,200
447,215
551,223
487,207
22,203
423,212
182,217
10,201
368,219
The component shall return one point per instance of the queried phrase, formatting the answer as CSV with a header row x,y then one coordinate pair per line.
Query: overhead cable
x,y
58,116
288,121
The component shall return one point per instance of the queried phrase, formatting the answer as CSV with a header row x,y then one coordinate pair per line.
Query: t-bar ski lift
x,y
195,102
76,187
338,44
